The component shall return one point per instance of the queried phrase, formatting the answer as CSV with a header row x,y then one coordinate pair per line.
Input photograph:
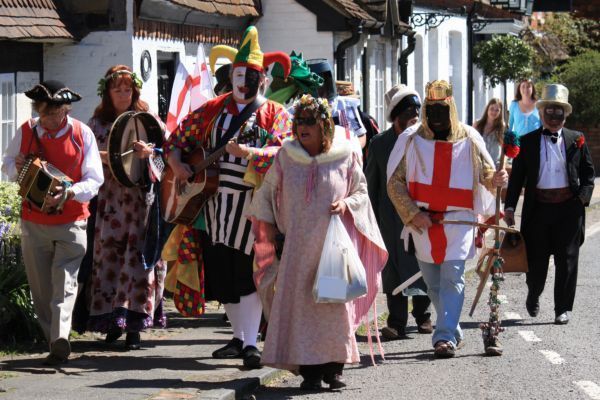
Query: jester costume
x,y
221,266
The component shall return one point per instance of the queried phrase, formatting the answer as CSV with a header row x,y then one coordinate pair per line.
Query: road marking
x,y
592,230
512,315
502,299
529,336
589,388
553,357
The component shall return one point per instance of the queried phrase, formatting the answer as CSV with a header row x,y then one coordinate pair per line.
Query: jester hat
x,y
249,54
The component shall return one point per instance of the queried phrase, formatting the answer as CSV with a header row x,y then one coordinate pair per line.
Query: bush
x,y
581,75
17,317
503,58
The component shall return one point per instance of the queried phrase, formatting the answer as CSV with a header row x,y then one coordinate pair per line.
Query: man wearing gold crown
x,y
555,166
227,253
442,171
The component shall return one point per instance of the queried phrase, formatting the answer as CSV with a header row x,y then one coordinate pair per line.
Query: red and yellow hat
x,y
249,54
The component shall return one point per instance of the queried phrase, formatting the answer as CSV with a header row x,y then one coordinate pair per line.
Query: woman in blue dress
x,y
524,116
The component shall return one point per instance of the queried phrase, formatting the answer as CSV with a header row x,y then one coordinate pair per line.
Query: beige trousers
x,y
52,255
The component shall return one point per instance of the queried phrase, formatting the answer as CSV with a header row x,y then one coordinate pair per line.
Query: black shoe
x,y
133,341
233,349
334,381
251,356
493,347
113,335
533,305
311,384
562,319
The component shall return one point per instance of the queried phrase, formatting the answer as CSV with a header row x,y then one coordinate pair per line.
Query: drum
x,y
131,126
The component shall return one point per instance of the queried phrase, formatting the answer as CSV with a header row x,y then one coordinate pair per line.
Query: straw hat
x,y
555,94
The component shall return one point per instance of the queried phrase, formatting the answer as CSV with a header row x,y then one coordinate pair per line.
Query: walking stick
x,y
492,328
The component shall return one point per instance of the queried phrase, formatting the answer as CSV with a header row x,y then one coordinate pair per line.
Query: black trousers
x,y
398,310
555,229
320,371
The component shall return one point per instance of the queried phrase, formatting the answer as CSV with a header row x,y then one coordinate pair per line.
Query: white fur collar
x,y
340,148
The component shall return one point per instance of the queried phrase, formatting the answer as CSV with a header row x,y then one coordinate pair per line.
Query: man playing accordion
x,y
53,237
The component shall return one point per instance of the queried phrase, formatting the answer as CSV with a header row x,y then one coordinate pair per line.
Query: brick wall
x,y
592,136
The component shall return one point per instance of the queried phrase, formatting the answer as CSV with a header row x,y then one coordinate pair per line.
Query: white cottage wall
x,y
287,25
82,64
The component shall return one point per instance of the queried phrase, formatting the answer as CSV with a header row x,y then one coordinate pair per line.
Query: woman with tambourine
x,y
126,286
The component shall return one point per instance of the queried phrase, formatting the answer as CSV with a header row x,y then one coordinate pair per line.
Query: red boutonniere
x,y
579,141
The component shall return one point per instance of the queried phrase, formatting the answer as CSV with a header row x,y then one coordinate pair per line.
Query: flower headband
x,y
103,82
317,106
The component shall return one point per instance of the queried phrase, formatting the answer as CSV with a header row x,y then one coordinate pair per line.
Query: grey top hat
x,y
555,94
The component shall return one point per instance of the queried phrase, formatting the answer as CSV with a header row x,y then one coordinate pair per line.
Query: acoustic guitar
x,y
182,201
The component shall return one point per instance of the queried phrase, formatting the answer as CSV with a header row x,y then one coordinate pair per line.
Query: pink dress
x,y
296,196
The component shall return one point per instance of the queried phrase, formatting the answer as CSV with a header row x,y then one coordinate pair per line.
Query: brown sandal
x,y
443,349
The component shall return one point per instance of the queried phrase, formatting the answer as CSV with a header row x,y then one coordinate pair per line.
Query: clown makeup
x,y
246,82
438,117
553,117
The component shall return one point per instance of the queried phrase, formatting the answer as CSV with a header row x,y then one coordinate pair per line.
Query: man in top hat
x,y
227,253
555,166
53,238
444,172
223,75
402,107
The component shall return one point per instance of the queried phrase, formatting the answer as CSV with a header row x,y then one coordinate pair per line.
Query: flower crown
x,y
103,82
316,106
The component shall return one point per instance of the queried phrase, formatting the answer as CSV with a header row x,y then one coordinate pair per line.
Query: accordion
x,y
39,178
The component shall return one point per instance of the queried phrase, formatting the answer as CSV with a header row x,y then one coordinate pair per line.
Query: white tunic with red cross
x,y
440,179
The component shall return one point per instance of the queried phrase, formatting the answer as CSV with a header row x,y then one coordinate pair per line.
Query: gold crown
x,y
438,90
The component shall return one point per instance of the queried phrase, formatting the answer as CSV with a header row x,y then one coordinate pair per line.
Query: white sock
x,y
233,314
250,313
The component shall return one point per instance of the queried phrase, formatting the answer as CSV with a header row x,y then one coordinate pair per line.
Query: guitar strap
x,y
238,120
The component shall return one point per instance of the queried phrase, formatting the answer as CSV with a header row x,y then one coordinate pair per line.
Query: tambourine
x,y
130,127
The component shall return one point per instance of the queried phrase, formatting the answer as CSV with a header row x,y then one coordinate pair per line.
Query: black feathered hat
x,y
52,92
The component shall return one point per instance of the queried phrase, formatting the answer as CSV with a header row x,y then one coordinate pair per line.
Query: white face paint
x,y
238,80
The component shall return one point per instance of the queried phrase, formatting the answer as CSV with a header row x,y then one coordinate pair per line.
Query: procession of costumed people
x,y
270,214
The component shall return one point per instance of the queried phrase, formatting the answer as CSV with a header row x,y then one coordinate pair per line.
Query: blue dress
x,y
522,123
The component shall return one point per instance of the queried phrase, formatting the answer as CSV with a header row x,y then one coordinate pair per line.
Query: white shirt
x,y
91,166
553,163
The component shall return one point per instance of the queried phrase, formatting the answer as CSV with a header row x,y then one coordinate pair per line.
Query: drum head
x,y
130,127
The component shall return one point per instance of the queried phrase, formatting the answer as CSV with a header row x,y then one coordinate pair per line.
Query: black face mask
x,y
554,113
438,118
252,83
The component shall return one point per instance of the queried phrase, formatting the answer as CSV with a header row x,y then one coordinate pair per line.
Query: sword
x,y
419,274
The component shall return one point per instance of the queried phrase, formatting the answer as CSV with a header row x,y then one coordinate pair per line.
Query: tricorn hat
x,y
555,94
395,95
52,92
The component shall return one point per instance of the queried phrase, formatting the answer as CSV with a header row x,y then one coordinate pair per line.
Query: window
x,y
7,111
377,80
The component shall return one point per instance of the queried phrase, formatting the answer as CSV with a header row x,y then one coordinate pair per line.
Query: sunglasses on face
x,y
308,121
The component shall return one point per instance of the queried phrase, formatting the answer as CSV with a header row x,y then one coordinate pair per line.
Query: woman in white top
x,y
491,125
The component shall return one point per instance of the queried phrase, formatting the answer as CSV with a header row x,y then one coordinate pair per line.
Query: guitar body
x,y
182,201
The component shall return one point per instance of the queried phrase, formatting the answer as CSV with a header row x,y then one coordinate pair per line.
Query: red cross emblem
x,y
439,196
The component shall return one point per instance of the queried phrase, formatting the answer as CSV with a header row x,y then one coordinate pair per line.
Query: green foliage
x,y
577,35
503,58
581,75
17,318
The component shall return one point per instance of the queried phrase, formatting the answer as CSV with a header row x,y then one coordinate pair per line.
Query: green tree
x,y
581,75
503,58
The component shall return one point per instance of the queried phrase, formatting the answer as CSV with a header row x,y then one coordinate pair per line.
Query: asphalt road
x,y
541,360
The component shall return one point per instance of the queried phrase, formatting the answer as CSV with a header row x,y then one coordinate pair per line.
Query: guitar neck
x,y
211,159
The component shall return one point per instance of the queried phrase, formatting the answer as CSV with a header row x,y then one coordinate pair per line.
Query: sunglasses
x,y
309,121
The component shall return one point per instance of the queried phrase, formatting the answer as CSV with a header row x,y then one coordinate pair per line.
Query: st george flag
x,y
189,91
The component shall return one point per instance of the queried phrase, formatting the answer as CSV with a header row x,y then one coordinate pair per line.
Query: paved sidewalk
x,y
174,363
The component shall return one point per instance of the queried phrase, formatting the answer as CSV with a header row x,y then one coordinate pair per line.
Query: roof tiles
x,y
34,20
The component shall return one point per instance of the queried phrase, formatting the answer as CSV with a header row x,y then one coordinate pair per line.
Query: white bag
x,y
341,276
